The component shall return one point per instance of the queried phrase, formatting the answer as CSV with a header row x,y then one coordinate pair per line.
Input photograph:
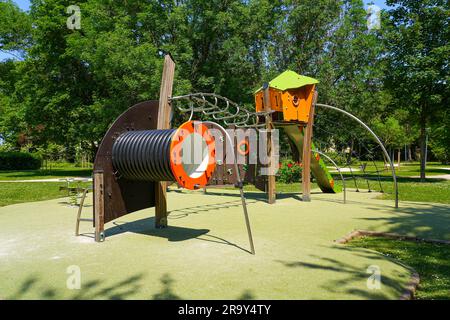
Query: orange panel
x,y
176,149
297,102
259,101
294,103
275,100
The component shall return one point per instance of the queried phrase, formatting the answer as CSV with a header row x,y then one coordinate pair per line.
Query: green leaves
x,y
15,28
73,83
391,132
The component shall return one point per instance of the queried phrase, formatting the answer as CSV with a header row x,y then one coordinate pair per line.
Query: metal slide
x,y
318,167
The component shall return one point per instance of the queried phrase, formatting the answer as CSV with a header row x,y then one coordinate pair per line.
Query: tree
x,y
440,137
417,34
15,29
391,132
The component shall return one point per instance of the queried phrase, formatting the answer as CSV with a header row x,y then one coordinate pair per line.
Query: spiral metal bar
x,y
221,109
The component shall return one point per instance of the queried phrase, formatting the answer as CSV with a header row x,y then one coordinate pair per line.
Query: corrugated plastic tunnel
x,y
185,155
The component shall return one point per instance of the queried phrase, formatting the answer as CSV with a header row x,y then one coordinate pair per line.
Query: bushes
x,y
19,161
289,172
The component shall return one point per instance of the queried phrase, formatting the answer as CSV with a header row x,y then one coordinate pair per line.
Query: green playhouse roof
x,y
290,80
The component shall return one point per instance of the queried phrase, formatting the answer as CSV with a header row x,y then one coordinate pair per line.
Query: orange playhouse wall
x,y
282,101
275,100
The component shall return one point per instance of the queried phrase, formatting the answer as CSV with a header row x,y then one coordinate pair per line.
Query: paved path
x,y
440,177
333,170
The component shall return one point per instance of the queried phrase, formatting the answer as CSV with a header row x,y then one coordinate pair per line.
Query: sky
x,y
25,5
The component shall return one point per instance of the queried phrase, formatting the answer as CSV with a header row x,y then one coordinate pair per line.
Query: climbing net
x,y
356,161
361,160
221,109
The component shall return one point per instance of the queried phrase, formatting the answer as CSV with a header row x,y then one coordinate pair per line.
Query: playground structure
x,y
140,153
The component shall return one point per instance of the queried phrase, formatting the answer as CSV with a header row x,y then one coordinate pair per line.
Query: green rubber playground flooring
x,y
203,254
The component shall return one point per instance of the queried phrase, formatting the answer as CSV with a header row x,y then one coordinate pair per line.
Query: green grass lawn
x,y
18,192
409,189
407,169
61,171
430,191
431,261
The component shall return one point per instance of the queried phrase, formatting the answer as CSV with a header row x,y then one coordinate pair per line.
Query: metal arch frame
x,y
338,169
386,154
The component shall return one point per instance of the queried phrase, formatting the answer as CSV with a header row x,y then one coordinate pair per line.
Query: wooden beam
x,y
306,158
99,206
165,111
271,183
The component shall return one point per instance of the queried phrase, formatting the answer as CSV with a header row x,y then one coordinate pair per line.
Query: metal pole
x,y
376,138
240,185
338,169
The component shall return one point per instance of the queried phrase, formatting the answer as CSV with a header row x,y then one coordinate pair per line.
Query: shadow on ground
x,y
171,233
146,227
423,221
93,289
254,196
185,212
349,274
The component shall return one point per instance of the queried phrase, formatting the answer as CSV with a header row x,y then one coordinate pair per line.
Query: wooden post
x,y
165,110
99,208
306,159
271,183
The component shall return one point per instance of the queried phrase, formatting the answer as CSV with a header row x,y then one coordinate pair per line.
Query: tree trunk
x,y
349,157
423,135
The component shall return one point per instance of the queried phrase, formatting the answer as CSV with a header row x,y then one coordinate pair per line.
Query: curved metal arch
x,y
386,154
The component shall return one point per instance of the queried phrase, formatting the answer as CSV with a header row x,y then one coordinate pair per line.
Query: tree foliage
x,y
69,85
